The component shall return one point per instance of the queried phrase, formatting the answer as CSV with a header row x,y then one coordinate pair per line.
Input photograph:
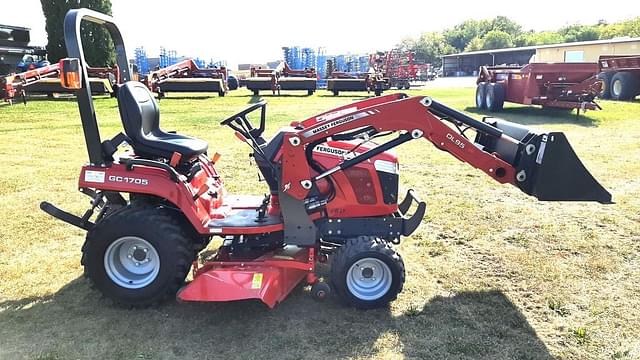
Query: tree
x,y
463,33
428,48
96,41
507,25
497,39
576,32
475,44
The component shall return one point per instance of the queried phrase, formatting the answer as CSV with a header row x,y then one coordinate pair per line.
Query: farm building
x,y
466,63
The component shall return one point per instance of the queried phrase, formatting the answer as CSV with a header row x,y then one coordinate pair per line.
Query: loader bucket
x,y
546,165
553,172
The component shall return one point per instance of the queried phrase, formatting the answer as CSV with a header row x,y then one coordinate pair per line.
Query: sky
x,y
255,32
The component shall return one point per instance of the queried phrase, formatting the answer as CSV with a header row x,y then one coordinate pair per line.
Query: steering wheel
x,y
242,114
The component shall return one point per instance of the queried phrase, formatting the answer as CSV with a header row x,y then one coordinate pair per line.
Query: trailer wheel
x,y
624,86
138,256
605,77
494,99
367,273
335,92
407,86
481,91
309,92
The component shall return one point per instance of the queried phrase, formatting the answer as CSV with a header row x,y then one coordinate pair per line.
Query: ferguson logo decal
x,y
334,151
335,123
128,180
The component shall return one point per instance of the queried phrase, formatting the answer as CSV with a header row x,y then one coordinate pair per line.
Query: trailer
x,y
282,78
357,81
45,80
186,77
550,85
620,76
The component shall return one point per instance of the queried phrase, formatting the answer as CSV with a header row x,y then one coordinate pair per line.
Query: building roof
x,y
536,47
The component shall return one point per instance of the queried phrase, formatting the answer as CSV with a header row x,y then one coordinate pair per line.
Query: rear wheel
x,y
367,273
138,256
481,91
624,86
605,77
494,98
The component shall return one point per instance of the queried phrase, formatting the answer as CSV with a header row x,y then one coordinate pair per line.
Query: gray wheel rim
x,y
131,262
617,87
369,279
488,100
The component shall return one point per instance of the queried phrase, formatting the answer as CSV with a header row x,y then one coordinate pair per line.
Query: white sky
x,y
248,32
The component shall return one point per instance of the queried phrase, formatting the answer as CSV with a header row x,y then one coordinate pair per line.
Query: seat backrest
x,y
139,110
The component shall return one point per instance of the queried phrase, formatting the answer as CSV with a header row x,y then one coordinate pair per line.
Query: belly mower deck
x,y
269,278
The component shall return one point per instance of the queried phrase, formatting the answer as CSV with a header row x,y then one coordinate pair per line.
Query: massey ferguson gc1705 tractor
x,y
333,193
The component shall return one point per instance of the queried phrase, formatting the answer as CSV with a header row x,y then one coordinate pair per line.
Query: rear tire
x,y
481,92
494,98
605,77
624,86
138,256
367,273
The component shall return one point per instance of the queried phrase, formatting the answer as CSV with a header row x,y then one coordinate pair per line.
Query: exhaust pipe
x,y
546,165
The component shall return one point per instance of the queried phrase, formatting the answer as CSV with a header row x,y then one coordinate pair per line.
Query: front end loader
x,y
332,195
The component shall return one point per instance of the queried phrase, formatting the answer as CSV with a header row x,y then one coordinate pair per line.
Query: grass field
x,y
491,273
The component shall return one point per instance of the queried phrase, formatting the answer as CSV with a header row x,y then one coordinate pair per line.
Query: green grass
x,y
491,273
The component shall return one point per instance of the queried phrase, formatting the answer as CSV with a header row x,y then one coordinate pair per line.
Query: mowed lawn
x,y
491,273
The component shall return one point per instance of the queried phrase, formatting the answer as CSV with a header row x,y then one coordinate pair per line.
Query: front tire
x,y
481,92
138,256
624,86
605,77
367,273
494,98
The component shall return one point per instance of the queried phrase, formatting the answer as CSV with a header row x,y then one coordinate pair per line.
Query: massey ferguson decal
x,y
335,123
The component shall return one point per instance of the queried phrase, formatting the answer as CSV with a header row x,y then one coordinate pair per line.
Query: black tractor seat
x,y
140,116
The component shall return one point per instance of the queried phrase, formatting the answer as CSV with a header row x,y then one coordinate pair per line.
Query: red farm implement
x,y
374,80
400,67
332,183
553,85
282,78
620,76
45,80
187,77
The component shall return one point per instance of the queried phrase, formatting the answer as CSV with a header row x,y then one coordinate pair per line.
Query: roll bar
x,y
73,42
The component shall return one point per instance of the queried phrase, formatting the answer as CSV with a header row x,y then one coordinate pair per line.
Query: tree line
x,y
502,32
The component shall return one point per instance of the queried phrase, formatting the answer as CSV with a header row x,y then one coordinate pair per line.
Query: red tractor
x,y
333,193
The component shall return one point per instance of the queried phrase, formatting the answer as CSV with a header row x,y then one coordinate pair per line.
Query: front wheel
x,y
367,273
138,256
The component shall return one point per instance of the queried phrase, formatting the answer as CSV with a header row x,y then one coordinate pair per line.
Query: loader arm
x,y
540,164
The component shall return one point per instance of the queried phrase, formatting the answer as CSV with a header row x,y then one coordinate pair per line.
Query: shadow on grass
x,y
528,115
77,323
